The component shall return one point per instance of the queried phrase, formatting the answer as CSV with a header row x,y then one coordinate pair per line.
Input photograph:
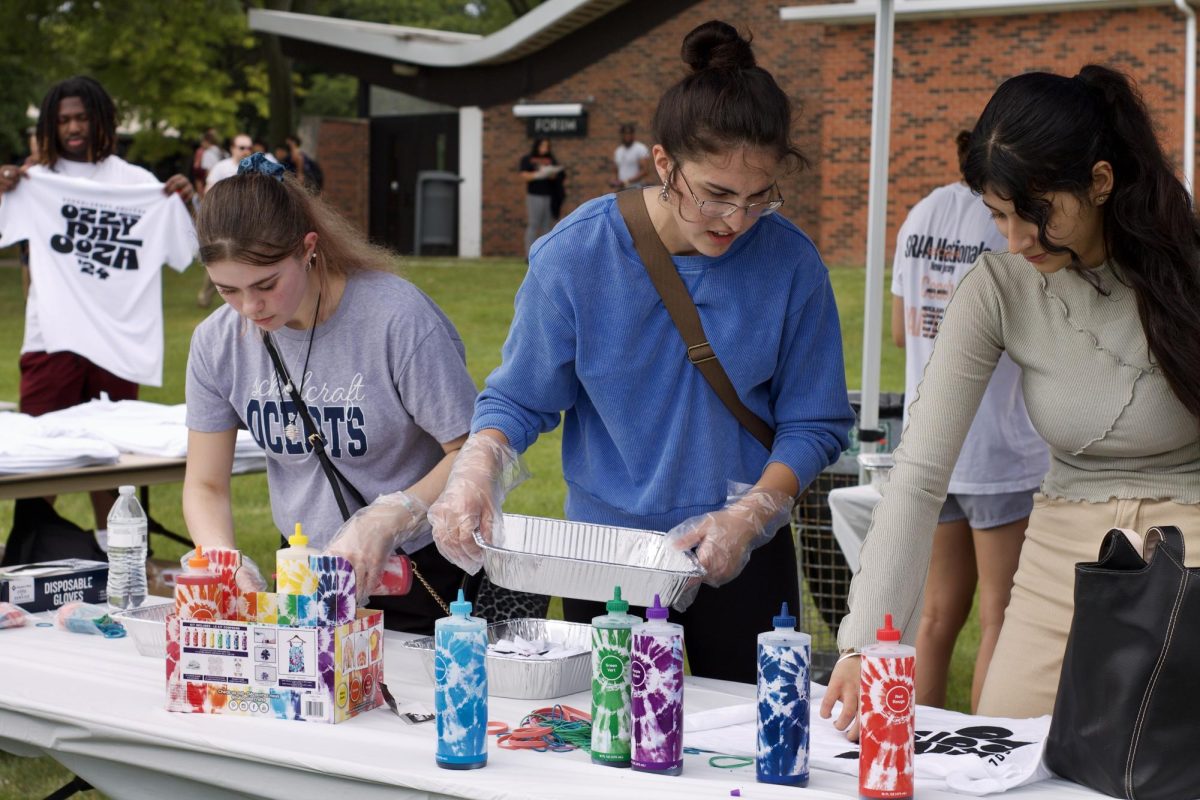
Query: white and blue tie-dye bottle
x,y
460,690
783,695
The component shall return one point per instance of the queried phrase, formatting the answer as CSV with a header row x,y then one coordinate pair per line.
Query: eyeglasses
x,y
719,209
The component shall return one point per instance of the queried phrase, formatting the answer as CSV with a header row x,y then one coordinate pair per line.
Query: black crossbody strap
x,y
315,440
682,309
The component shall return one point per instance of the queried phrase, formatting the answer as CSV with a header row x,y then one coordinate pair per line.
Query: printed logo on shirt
x,y
98,236
989,742
334,410
944,254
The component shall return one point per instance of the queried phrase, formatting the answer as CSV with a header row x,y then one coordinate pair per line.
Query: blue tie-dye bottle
x,y
783,695
460,690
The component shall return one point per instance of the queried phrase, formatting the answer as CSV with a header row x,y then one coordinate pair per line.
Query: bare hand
x,y
9,177
180,184
843,686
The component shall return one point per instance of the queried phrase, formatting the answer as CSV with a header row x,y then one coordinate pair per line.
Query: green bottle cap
x,y
617,605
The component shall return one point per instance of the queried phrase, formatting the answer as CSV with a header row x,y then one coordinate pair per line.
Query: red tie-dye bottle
x,y
886,717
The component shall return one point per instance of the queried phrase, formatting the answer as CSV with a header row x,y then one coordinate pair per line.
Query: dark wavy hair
x,y
102,119
726,101
1044,133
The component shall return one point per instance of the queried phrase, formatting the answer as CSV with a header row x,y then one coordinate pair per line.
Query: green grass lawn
x,y
477,295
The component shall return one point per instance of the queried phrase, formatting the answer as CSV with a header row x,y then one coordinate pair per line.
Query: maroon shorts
x,y
53,381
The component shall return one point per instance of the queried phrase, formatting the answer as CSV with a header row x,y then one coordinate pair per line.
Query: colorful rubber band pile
x,y
557,729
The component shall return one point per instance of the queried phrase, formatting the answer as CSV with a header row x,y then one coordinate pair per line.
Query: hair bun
x,y
716,45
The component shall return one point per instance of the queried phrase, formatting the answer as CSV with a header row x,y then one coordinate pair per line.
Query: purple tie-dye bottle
x,y
656,674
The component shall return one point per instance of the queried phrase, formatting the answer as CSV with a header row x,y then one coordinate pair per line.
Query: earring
x,y
1102,199
311,262
665,194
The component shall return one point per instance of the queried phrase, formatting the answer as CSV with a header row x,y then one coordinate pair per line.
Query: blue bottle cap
x,y
657,611
784,620
461,605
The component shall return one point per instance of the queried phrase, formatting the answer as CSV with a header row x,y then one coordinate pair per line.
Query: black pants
x,y
721,627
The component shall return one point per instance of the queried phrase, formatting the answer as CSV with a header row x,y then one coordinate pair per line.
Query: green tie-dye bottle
x,y
611,723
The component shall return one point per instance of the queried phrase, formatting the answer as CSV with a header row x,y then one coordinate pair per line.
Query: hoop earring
x,y
311,262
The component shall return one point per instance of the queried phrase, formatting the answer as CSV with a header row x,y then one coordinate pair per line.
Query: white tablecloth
x,y
96,706
850,511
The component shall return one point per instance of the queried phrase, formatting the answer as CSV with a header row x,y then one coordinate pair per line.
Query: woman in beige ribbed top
x,y
1095,219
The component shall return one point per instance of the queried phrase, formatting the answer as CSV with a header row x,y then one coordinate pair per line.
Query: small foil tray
x,y
147,624
584,561
530,678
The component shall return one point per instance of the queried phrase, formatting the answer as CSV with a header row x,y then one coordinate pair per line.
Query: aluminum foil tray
x,y
147,624
526,678
585,561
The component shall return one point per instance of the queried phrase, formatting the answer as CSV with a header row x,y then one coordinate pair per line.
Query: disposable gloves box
x,y
53,584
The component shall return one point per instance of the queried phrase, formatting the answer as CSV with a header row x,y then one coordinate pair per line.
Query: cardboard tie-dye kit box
x,y
313,656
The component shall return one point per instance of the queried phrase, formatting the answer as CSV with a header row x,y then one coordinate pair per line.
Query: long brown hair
x,y
258,219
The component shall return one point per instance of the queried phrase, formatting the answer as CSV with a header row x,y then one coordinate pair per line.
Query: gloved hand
x,y
484,472
373,533
249,578
725,538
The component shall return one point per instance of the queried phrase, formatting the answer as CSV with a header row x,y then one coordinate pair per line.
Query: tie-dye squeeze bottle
x,y
460,691
612,638
886,717
656,675
783,710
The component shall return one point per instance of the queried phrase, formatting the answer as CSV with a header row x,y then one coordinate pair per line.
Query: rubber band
x,y
497,728
730,762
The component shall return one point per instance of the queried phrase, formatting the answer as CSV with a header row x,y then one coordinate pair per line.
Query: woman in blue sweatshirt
x,y
646,442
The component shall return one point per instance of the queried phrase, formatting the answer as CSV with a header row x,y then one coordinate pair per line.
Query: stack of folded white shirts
x,y
25,447
142,428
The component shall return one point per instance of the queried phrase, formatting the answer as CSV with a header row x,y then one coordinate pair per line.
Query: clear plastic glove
x,y
724,539
249,577
484,472
843,687
369,537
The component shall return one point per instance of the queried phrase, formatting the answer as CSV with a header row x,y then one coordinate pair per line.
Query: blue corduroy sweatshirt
x,y
646,441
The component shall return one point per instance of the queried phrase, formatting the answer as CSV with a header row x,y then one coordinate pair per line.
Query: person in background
x,y
982,524
538,170
1098,302
76,137
381,369
300,163
647,443
631,160
239,148
207,154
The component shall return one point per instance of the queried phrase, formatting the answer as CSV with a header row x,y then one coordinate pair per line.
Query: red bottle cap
x,y
887,633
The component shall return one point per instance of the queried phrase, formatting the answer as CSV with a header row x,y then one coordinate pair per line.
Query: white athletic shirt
x,y
628,160
96,246
937,245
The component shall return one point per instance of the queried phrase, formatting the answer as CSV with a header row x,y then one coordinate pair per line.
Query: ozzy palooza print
x,y
886,719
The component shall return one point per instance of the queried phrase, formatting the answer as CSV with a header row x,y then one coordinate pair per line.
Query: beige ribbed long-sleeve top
x,y
1115,428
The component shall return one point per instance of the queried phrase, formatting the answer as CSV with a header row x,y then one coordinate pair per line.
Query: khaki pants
x,y
1022,679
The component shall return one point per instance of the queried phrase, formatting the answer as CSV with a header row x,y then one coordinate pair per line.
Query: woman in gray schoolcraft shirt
x,y
1098,302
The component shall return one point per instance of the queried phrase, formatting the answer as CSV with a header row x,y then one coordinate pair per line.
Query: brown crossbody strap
x,y
675,297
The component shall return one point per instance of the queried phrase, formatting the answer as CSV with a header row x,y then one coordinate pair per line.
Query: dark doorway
x,y
400,148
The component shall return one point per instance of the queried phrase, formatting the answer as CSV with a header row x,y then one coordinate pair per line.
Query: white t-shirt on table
x,y
97,241
936,246
629,160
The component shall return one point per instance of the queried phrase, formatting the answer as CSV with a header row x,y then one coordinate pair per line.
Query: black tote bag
x,y
1127,716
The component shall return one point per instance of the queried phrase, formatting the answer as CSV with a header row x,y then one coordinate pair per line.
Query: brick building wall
x,y
945,71
344,146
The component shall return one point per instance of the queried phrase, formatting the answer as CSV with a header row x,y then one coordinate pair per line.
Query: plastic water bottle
x,y
783,708
460,695
612,638
126,551
886,717
656,672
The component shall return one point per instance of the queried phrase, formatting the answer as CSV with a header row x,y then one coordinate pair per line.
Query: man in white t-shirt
x,y
239,148
631,160
77,138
